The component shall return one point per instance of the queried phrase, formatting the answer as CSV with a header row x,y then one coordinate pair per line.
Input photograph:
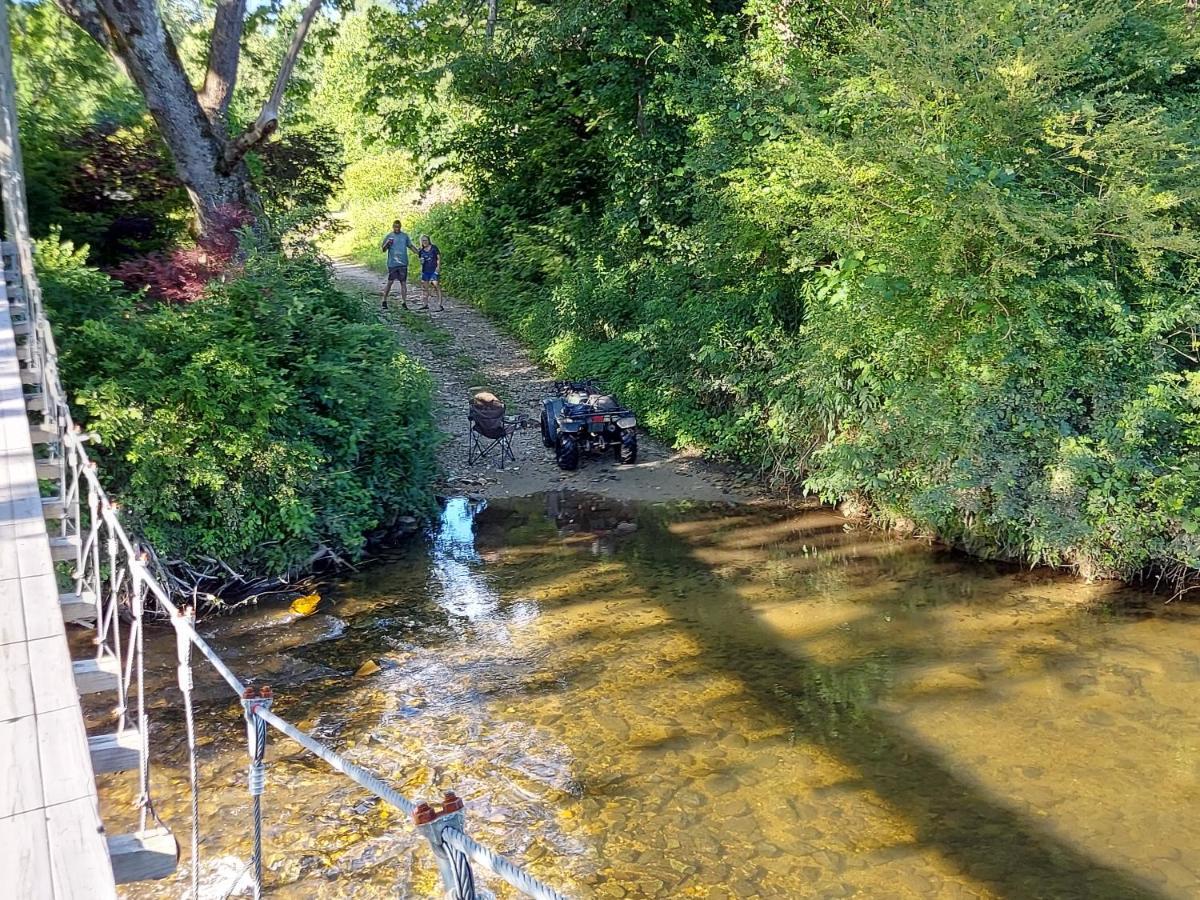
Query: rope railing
x,y
112,570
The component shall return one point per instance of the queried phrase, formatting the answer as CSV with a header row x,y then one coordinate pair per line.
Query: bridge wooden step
x,y
143,855
35,402
53,508
31,376
95,676
65,548
77,607
20,328
48,469
44,434
116,752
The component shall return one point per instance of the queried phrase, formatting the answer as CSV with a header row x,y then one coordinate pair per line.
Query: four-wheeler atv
x,y
580,417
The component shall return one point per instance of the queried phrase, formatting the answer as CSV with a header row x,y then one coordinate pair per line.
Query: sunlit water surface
x,y
726,702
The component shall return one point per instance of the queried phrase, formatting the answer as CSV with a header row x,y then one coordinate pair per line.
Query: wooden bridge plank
x,y
12,618
53,674
143,855
42,619
94,676
16,682
76,870
66,764
25,854
20,767
49,850
116,752
48,470
77,607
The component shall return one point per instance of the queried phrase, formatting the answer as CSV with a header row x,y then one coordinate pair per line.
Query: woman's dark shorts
x,y
397,273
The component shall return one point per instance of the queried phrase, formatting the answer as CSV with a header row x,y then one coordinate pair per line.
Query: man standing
x,y
397,244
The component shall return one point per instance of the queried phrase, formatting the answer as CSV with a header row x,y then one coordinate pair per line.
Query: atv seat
x,y
489,430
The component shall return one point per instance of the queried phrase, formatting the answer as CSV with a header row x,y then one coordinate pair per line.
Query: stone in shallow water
x,y
915,882
690,798
718,785
733,740
831,863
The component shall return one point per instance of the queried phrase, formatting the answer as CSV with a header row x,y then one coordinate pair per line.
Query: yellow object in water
x,y
370,667
306,605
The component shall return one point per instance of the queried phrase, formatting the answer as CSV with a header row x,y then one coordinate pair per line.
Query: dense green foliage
x,y
258,424
939,257
936,258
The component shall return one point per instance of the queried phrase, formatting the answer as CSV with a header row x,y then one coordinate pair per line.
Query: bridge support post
x,y
452,864
256,738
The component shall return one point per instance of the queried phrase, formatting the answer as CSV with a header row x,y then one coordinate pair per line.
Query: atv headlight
x,y
626,422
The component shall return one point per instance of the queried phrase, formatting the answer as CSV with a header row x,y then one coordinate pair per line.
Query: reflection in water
x,y
711,702
453,558
456,582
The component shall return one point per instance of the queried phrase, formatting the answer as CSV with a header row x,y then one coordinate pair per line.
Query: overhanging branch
x,y
268,117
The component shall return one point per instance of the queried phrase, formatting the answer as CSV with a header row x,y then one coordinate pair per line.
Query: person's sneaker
x,y
383,306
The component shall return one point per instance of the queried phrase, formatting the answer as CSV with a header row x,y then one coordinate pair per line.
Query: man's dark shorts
x,y
397,273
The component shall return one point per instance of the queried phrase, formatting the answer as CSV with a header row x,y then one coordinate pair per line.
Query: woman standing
x,y
431,269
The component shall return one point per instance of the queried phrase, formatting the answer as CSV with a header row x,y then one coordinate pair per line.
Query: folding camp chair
x,y
489,430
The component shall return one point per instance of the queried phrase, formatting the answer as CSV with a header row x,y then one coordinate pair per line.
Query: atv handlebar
x,y
591,387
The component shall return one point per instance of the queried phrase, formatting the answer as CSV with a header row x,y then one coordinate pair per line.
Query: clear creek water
x,y
726,702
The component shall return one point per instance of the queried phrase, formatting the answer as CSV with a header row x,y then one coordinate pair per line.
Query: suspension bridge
x,y
66,560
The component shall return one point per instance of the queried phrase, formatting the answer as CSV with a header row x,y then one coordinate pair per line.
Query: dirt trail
x,y
466,352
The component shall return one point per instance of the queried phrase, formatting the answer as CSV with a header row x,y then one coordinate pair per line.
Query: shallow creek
x,y
726,702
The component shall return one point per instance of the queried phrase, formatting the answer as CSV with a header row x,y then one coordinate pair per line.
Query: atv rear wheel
x,y
547,435
627,450
567,454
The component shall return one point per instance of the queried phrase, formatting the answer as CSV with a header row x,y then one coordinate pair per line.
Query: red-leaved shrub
x,y
180,275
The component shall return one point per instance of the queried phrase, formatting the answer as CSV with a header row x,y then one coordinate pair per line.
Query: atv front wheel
x,y
547,435
627,451
567,453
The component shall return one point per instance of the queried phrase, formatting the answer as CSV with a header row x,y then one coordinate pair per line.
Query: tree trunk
x,y
492,12
139,38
